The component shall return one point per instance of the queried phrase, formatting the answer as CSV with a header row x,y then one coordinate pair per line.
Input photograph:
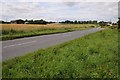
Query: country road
x,y
19,47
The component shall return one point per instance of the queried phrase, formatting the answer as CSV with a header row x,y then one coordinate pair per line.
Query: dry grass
x,y
36,26
13,31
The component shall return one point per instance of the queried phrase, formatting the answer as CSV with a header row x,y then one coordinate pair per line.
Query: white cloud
x,y
60,0
60,10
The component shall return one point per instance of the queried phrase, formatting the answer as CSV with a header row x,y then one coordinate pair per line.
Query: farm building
x,y
26,22
109,24
17,21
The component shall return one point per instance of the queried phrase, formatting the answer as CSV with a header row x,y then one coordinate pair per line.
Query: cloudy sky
x,y
58,11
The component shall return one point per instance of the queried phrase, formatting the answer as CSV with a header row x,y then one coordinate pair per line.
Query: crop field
x,y
92,56
13,31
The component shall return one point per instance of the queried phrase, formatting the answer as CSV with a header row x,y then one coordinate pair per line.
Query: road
x,y
19,47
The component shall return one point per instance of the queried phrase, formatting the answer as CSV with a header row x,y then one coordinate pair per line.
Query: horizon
x,y
58,21
61,11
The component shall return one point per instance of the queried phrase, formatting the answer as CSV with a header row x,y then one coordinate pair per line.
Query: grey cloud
x,y
70,4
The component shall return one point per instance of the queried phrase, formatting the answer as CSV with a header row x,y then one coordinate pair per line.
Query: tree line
x,y
41,21
20,21
79,22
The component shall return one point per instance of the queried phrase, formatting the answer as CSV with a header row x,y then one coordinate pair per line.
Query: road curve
x,y
19,47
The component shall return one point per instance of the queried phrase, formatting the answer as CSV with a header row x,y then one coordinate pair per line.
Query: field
x,y
13,31
92,56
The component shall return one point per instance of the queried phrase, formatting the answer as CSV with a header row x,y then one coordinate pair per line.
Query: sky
x,y
59,11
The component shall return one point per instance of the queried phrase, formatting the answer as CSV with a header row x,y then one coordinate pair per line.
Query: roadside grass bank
x,y
14,31
92,56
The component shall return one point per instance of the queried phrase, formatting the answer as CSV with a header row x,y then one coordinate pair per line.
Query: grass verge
x,y
92,56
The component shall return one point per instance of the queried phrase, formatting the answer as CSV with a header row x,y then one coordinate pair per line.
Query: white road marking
x,y
19,44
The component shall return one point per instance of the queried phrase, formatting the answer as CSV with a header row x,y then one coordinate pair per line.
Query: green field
x,y
13,31
92,56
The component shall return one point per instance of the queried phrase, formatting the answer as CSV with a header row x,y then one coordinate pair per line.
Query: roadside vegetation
x,y
92,56
13,31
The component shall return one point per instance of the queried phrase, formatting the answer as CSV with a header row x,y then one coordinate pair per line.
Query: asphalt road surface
x,y
19,47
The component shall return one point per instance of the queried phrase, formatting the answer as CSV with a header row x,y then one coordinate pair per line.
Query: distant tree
x,y
30,21
94,22
40,21
75,22
68,22
102,23
2,22
79,22
26,20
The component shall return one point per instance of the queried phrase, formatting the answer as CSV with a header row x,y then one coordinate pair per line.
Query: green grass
x,y
92,56
13,34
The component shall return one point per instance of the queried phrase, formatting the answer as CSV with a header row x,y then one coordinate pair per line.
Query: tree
x,y
75,22
102,23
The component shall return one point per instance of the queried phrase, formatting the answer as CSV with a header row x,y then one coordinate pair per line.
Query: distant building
x,y
17,21
26,22
109,24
